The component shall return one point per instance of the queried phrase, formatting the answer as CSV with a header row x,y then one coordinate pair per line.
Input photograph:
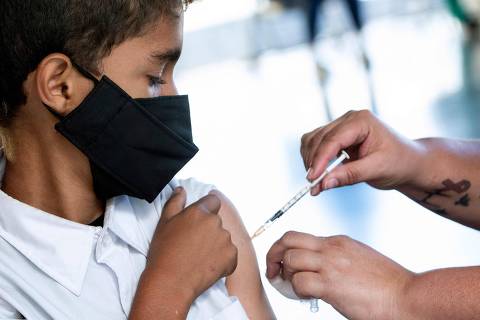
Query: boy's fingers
x,y
174,205
208,204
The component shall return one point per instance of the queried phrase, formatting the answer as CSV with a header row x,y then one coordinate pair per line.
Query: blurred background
x,y
261,73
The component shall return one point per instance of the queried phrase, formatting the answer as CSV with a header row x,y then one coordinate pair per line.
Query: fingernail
x,y
177,190
332,183
310,173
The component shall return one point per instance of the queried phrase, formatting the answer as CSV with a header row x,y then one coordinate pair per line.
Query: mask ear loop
x,y
84,73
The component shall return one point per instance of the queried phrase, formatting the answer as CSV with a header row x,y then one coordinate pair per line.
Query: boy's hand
x,y
378,155
192,244
356,280
189,252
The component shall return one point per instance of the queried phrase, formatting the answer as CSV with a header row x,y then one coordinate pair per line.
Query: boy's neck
x,y
50,174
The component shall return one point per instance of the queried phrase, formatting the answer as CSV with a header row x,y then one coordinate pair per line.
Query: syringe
x,y
300,194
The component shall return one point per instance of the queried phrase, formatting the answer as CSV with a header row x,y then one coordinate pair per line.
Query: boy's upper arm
x,y
245,282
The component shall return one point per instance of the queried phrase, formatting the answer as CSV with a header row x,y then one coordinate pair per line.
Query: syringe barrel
x,y
296,198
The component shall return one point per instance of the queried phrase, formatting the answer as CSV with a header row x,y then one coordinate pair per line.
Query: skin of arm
x,y
448,180
245,283
443,294
175,302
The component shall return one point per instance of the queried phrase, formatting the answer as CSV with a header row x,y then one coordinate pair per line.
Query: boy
x,y
92,132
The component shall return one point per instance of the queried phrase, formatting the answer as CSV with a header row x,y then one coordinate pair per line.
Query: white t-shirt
x,y
53,268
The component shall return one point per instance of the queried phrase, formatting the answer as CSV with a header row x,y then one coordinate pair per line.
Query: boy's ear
x,y
59,85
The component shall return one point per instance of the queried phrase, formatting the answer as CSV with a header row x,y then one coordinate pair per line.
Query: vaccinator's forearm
x,y
448,180
443,294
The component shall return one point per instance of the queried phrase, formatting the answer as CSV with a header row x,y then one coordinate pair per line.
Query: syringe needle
x,y
258,232
266,225
300,195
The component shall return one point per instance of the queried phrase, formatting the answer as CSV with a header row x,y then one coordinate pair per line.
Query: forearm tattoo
x,y
456,191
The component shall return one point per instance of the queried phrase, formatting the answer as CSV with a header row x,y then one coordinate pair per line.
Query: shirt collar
x,y
62,248
123,222
59,247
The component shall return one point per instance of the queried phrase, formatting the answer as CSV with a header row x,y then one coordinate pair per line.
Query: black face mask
x,y
135,146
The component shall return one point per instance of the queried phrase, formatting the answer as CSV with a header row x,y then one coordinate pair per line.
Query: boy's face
x,y
143,66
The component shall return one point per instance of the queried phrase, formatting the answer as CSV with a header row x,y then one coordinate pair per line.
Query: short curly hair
x,y
85,30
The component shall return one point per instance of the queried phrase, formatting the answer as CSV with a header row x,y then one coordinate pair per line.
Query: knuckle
x,y
330,141
349,115
340,241
315,141
289,236
351,176
364,113
330,138
317,138
289,258
300,285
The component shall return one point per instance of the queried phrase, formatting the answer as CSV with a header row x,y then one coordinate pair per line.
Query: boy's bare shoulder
x,y
232,220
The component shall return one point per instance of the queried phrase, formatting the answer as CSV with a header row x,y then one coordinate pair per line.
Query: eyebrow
x,y
171,55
